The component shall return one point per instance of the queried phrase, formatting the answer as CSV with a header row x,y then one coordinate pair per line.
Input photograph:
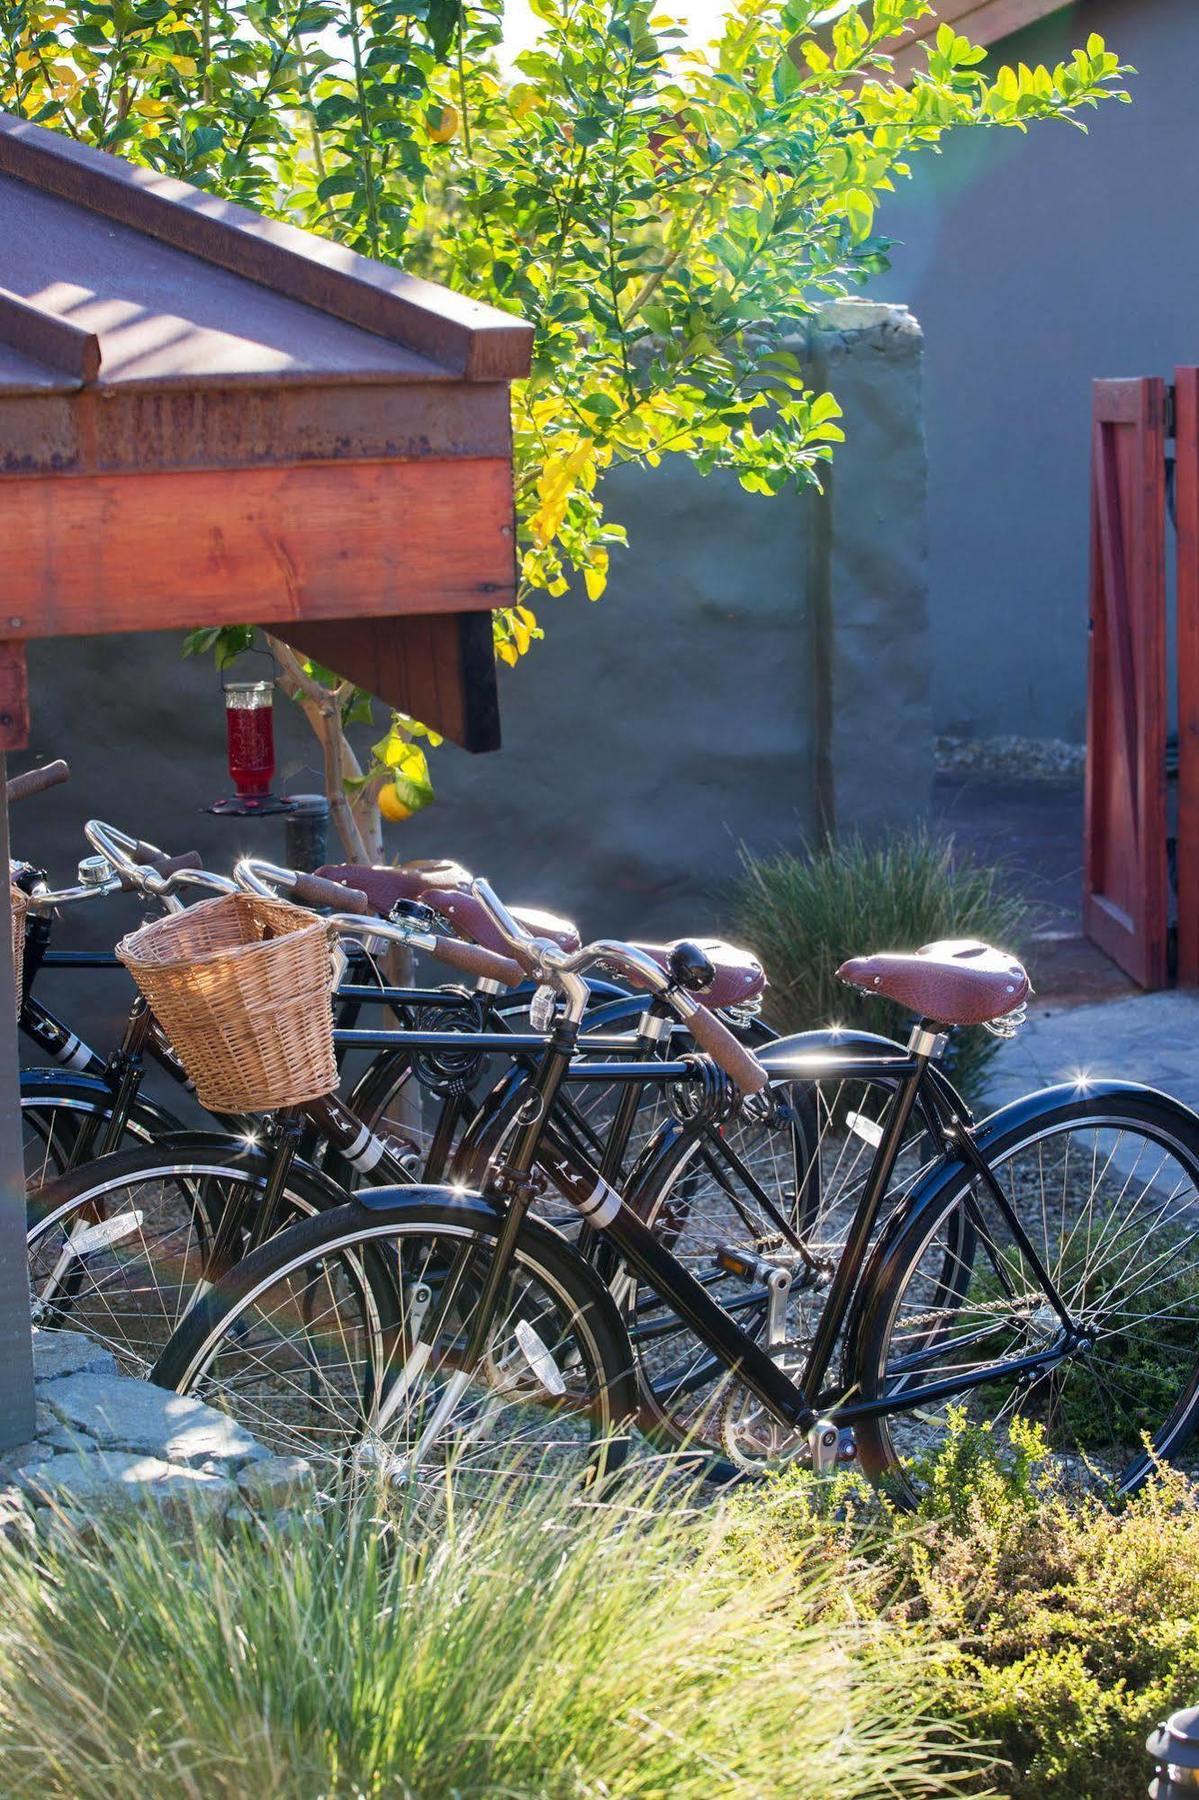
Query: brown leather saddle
x,y
739,979
958,981
444,887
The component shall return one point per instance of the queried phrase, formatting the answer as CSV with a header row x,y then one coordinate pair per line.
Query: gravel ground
x,y
1020,758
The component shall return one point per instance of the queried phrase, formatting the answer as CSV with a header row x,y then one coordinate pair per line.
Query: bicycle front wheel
x,y
1106,1189
285,1345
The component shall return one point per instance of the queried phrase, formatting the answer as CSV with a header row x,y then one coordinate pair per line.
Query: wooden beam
x,y
440,668
478,342
325,540
1186,506
1125,887
47,338
127,430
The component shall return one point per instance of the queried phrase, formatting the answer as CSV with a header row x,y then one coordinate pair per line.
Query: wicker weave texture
x,y
20,907
242,986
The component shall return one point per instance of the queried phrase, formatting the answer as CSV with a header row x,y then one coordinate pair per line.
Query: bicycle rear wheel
x,y
284,1345
1106,1187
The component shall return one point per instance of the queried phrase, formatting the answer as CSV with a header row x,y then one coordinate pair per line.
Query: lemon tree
x,y
664,213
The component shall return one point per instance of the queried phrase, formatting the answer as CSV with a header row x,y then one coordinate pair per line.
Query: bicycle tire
x,y
1144,1382
223,1324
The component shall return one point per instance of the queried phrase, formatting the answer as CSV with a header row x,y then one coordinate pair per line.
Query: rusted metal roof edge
x,y
46,338
474,341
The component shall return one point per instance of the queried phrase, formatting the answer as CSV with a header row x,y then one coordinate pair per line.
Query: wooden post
x,y
1186,491
16,1353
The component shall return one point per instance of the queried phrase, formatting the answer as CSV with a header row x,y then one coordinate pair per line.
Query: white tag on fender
x,y
541,1009
865,1128
86,1238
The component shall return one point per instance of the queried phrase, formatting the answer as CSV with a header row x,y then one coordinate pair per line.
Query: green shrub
x,y
520,1648
805,915
1070,1629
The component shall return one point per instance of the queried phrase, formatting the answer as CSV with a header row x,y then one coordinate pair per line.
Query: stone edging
x,y
105,1440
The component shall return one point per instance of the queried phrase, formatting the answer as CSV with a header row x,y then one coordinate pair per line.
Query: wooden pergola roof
x,y
208,417
982,21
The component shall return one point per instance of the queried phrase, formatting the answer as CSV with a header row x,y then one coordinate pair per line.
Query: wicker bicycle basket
x,y
20,907
243,989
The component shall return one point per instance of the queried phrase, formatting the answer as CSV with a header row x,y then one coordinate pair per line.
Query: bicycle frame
x,y
798,1404
123,1069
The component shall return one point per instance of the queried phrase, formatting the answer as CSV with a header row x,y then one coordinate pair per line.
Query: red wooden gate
x,y
1124,861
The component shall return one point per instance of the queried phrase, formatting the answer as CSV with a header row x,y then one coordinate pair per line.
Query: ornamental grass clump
x,y
525,1646
804,915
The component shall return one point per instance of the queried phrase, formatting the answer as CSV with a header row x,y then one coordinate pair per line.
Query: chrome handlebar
x,y
115,869
553,966
547,962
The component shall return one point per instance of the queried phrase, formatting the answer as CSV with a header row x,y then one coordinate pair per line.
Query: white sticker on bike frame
x,y
75,1054
601,1205
365,1151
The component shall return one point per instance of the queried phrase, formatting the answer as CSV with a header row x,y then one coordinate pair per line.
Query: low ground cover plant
x,y
522,1646
804,915
1071,1627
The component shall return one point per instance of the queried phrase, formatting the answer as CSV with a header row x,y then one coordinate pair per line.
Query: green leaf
x,y
859,213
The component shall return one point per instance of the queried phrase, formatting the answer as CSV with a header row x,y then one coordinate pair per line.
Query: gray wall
x,y
1034,265
757,668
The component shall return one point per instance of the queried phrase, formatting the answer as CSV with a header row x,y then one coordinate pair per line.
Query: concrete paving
x,y
1147,1037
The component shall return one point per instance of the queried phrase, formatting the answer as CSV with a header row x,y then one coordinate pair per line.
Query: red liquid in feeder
x,y
249,728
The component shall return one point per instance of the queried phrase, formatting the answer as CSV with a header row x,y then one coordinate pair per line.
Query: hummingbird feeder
x,y
250,742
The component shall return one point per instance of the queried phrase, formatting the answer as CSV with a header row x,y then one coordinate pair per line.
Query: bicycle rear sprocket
x,y
750,1437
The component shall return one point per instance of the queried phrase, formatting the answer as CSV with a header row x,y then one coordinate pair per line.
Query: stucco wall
x,y
1036,264
756,665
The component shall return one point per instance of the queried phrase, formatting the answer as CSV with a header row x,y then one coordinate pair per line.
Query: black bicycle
x,y
120,1244
1040,1265
89,1105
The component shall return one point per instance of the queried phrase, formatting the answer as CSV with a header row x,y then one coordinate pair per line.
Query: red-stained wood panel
x,y
1186,512
440,668
1124,874
319,540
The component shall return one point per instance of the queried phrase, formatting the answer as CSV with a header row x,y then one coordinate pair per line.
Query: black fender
x,y
244,1153
239,1154
819,1052
92,1093
992,1137
834,1051
489,1121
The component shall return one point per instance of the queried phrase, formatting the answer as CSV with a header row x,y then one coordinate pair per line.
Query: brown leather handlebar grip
x,y
740,1064
151,858
472,959
36,781
314,890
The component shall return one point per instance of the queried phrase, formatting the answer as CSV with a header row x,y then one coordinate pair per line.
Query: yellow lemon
x,y
391,806
446,126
